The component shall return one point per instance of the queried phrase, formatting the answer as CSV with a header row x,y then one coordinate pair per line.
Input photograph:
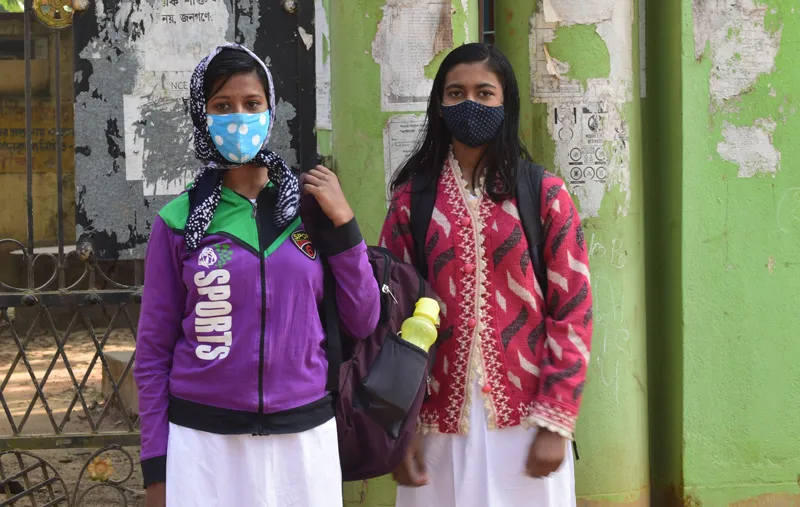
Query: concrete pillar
x,y
579,71
383,59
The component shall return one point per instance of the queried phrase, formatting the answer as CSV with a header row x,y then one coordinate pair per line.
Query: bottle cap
x,y
427,307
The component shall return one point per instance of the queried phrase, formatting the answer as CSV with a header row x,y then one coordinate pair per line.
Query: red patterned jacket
x,y
528,356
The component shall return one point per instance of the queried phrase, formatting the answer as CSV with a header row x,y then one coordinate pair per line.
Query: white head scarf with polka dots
x,y
206,190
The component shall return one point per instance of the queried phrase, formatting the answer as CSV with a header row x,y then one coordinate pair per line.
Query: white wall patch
x,y
750,148
740,45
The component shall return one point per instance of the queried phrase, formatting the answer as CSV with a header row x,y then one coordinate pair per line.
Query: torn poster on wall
x,y
410,35
133,135
157,103
400,137
585,118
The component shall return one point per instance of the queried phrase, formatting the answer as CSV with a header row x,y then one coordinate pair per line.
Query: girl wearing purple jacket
x,y
230,360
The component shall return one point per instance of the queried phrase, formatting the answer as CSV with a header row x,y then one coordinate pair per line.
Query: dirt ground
x,y
18,391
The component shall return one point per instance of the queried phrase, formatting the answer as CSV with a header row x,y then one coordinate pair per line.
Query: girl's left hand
x,y
546,454
321,183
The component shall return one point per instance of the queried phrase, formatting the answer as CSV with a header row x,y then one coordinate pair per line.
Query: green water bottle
x,y
420,329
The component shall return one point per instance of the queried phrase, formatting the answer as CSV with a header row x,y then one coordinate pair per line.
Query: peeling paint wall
x,y
581,68
133,133
740,262
740,46
750,148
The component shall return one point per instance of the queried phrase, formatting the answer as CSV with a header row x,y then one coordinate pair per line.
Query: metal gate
x,y
57,286
68,313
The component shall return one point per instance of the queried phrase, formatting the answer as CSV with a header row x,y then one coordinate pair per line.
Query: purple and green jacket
x,y
230,339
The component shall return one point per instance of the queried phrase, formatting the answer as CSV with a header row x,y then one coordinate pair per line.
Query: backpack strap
x,y
330,323
423,199
529,192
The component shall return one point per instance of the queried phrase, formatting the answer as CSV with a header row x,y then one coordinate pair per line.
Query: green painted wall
x,y
740,262
612,432
357,137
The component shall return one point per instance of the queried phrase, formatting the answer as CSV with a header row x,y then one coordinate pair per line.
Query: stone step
x,y
117,361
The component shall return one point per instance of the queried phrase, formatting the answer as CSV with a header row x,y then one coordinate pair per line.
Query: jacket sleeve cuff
x,y
154,470
553,417
339,239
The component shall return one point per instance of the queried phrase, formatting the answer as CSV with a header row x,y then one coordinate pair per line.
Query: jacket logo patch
x,y
207,258
303,242
217,256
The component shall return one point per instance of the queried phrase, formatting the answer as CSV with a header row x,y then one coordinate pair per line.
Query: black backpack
x,y
528,194
378,383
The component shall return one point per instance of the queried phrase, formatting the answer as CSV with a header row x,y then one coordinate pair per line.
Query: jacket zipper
x,y
261,346
385,290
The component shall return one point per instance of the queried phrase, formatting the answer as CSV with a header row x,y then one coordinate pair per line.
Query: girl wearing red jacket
x,y
511,365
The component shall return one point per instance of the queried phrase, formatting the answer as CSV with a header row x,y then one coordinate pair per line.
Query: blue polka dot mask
x,y
207,187
473,124
239,136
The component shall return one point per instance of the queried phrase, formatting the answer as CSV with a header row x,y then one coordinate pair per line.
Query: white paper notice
x,y
400,137
323,66
577,11
180,34
410,35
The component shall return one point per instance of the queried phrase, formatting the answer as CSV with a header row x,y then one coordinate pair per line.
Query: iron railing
x,y
56,286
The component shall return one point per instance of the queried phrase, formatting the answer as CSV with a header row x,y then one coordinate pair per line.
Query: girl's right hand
x,y
411,471
324,185
156,495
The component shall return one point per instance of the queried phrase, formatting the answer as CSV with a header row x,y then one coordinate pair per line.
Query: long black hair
x,y
502,153
228,63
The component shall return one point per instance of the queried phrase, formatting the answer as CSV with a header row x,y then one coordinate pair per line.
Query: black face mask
x,y
473,124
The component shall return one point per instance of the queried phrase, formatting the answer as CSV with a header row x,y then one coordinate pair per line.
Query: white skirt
x,y
295,470
487,469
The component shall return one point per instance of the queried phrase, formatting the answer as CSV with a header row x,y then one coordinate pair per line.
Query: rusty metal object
x,y
49,280
106,481
26,479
